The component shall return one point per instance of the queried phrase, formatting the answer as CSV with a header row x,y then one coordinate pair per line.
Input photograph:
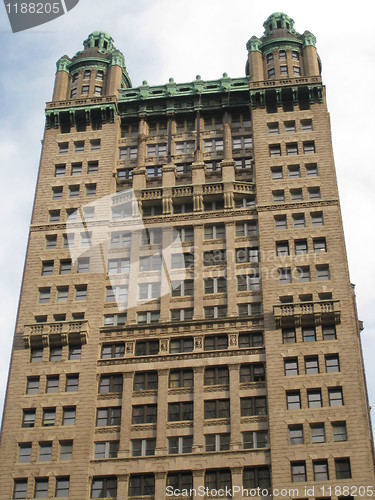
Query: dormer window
x,y
105,45
278,24
96,43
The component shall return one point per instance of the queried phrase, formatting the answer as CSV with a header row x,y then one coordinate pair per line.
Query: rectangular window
x,y
24,453
250,340
290,126
320,468
296,71
293,400
304,274
62,293
296,434
19,489
215,285
180,445
75,352
55,353
148,317
314,398
49,417
275,150
318,433
109,384
255,439
246,229
149,291
320,245
254,372
108,416
143,447
217,408
311,365
343,469
217,375
28,418
285,275
291,367
106,449
335,396
62,487
339,431
95,145
301,247
63,148
294,172
104,487
271,73
144,414
81,292
44,295
60,170
273,128
69,416
83,265
52,384
217,442
292,149
280,222
145,381
47,268
182,314
282,248
317,219
253,406
296,194
329,332
71,384
118,294
41,488
180,411
214,232
141,485
215,342
256,477
45,452
309,148
213,258
298,471
278,196
308,334
92,167
182,288
147,347
299,220
116,350
311,170
322,272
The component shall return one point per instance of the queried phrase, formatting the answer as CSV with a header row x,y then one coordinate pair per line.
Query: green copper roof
x,y
101,40
278,20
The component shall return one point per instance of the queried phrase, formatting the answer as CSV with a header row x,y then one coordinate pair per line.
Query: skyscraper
x,y
186,318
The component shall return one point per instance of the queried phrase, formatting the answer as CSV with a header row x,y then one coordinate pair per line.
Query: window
x,y
104,487
143,447
144,414
142,485
314,398
269,58
317,219
66,450
183,234
217,442
86,239
306,125
116,350
179,445
68,240
214,258
311,365
278,196
289,335
290,126
296,194
118,266
304,274
320,245
108,416
294,171
47,268
311,170
110,383
335,396
281,222
62,294
282,248
148,317
98,90
318,434
183,168
32,386
60,170
75,352
292,149
28,418
291,367
299,220
253,406
49,417
90,189
153,263
83,265
156,150
63,148
273,128
296,434
95,145
320,468
343,469
308,334
74,191
301,247
120,240
129,153
69,416
99,75
339,431
55,353
20,489
309,148
242,142
218,479
147,348
215,342
250,340
52,383
322,272
182,314
298,470
214,232
255,439
314,193
180,411
106,449
293,400
185,147
249,309
329,332
296,70
213,145
151,237
181,345
51,241
332,363
92,167
246,229
271,73
24,453
145,381
148,291
285,275
277,173
62,487
252,373
215,285
256,477
41,488
217,408
57,193
44,295
81,292
45,452
274,151
217,375
182,288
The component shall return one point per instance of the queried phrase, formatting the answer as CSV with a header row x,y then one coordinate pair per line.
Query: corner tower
x,y
98,70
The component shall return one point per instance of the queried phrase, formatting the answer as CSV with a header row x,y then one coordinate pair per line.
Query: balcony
x,y
295,314
62,333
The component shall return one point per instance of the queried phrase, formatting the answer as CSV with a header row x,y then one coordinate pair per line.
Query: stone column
x,y
198,444
235,407
133,277
123,486
230,238
165,285
198,478
126,416
198,272
237,483
160,483
162,415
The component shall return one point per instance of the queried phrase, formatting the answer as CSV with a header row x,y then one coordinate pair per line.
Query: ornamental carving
x,y
233,339
253,420
216,388
129,347
143,427
164,345
179,425
198,342
104,430
217,421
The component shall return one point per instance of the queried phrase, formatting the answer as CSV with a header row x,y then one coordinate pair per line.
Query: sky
x,y
174,38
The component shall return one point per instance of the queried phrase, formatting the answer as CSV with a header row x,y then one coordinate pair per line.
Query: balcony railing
x,y
64,332
295,313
